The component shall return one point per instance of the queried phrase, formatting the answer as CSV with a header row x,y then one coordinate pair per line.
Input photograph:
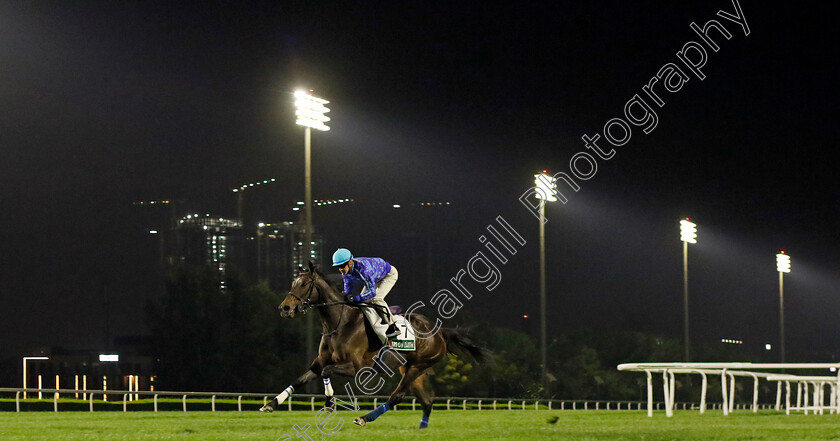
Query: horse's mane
x,y
336,287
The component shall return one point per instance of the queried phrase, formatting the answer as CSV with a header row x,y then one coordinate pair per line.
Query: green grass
x,y
528,425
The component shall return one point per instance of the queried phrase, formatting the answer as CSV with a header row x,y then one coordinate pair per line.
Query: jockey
x,y
378,277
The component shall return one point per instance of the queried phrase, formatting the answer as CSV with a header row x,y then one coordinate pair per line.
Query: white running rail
x,y
731,370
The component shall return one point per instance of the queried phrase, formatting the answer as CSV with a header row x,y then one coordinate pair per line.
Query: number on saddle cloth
x,y
405,341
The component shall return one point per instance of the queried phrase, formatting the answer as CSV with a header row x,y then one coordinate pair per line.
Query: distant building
x,y
280,252
197,240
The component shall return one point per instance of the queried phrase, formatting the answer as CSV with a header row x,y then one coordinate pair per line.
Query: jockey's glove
x,y
351,298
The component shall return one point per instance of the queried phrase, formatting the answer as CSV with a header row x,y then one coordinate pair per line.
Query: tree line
x,y
233,339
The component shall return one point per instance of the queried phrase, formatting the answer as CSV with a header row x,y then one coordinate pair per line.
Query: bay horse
x,y
348,346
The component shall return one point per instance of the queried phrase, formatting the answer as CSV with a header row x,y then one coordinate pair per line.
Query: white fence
x,y
728,372
197,401
817,385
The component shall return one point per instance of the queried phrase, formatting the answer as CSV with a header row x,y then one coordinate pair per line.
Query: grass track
x,y
526,425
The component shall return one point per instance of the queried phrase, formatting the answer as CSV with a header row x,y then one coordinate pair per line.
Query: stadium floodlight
x,y
546,190
782,266
546,186
688,231
25,359
688,234
311,111
782,262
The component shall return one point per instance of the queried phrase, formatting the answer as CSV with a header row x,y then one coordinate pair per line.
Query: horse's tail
x,y
456,338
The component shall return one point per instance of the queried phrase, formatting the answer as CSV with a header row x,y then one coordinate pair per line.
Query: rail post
x,y
778,395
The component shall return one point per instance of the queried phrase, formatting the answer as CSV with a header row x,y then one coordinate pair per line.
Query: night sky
x,y
108,103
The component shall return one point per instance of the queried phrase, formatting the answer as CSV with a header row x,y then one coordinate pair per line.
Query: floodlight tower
x,y
547,189
688,234
782,266
310,112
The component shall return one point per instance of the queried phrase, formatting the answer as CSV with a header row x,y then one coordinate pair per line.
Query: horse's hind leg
x,y
396,397
425,400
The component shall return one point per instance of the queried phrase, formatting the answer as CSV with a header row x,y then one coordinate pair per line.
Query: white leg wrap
x,y
285,394
328,389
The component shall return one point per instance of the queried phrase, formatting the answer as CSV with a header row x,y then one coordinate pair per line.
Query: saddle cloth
x,y
406,341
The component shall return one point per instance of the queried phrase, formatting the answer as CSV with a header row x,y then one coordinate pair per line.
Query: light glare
x,y
688,231
547,187
311,111
782,263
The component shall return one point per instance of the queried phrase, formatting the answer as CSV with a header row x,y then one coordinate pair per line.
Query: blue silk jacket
x,y
367,270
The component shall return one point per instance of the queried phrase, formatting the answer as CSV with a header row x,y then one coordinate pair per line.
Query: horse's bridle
x,y
304,304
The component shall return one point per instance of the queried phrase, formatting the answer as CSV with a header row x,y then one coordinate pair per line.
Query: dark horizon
x,y
107,104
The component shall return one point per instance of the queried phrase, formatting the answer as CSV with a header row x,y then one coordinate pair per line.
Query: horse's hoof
x,y
359,421
267,408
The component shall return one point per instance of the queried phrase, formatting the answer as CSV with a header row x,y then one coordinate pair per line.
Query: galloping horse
x,y
347,346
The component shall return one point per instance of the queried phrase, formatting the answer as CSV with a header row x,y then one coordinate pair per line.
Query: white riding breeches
x,y
383,287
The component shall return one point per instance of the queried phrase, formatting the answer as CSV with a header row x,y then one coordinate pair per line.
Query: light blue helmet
x,y
341,256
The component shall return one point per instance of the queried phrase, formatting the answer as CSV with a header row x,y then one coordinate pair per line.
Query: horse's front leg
x,y
312,373
346,369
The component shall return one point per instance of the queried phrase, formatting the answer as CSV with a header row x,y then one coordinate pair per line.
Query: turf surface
x,y
402,425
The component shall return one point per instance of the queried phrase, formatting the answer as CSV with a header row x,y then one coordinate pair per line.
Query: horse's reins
x,y
305,305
